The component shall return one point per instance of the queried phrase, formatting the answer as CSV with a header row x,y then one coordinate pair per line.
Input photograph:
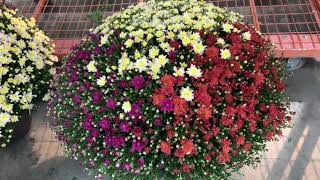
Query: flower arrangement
x,y
173,89
25,62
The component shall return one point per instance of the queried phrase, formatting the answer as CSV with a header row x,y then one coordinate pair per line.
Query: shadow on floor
x,y
296,154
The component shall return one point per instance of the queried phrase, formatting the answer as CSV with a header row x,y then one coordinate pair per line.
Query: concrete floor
x,y
296,156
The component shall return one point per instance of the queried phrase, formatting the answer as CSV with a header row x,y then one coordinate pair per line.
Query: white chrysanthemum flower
x,y
101,81
227,27
52,71
14,118
198,48
246,36
91,66
225,54
162,60
104,40
178,71
129,43
141,64
46,97
193,71
187,94
4,119
126,106
221,41
15,97
3,71
153,52
7,107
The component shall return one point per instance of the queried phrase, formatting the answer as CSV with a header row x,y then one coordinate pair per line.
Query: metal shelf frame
x,y
292,25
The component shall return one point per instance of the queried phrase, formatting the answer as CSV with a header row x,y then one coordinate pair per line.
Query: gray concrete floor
x,y
296,156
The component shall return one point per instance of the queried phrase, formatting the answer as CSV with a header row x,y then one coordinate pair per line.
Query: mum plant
x,y
173,89
26,61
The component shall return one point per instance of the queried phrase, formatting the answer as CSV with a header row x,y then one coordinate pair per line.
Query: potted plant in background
x,y
26,66
169,89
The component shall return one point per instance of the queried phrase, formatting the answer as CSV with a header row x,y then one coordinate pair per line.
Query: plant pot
x,y
22,127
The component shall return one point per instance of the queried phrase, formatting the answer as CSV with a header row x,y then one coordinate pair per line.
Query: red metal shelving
x,y
293,25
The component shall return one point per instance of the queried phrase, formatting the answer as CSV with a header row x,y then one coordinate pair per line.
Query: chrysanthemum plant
x,y
173,89
25,65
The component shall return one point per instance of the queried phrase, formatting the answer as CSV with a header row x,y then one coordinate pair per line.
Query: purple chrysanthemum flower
x,y
137,131
83,54
94,132
172,55
97,50
74,76
89,116
104,123
115,92
109,51
76,98
158,121
82,88
111,103
116,120
123,84
96,96
126,166
98,74
137,145
85,110
140,162
87,124
135,110
101,110
107,162
124,126
167,105
115,141
87,85
137,82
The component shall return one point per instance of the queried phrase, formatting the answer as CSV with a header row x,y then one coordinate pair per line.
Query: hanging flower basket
x,y
26,61
169,89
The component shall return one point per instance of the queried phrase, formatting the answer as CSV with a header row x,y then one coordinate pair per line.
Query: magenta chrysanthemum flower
x,y
158,121
106,162
137,131
87,124
135,110
140,162
167,105
126,166
83,54
123,84
124,126
111,103
138,145
76,98
138,82
104,123
96,96
114,141
74,76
